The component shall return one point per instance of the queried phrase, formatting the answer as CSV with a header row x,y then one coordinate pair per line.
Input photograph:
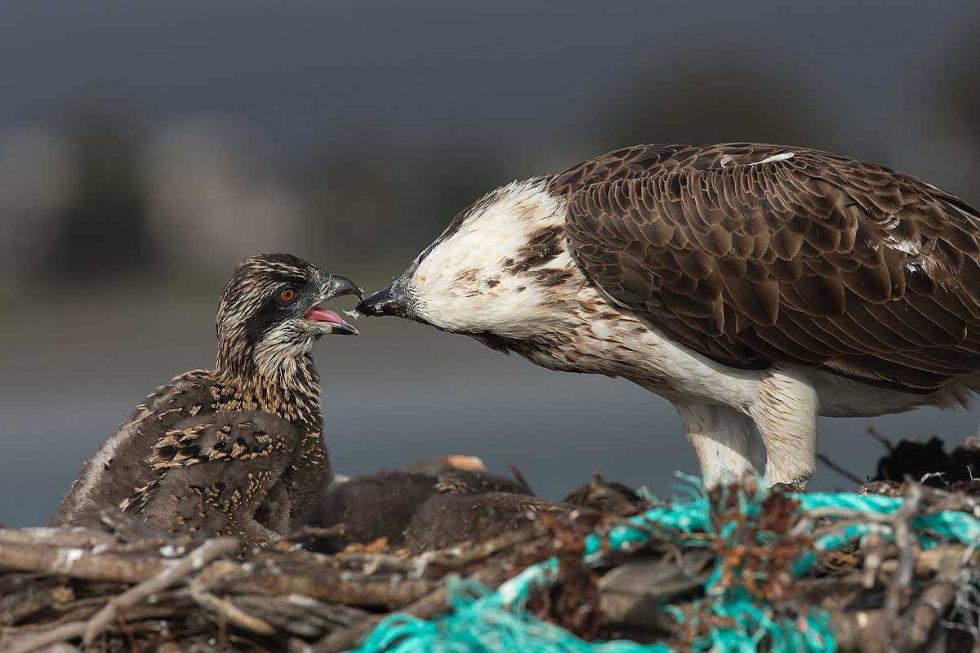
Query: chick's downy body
x,y
238,449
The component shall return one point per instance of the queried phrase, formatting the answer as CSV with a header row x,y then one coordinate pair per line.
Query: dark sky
x,y
513,75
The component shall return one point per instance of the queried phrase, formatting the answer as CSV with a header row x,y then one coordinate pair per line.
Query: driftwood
x,y
73,590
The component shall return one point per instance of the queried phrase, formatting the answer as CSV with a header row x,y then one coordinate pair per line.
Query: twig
x,y
229,612
40,594
171,573
71,630
520,478
311,532
852,477
346,638
82,538
456,557
857,630
368,562
191,563
898,589
425,607
931,604
873,432
873,546
77,562
389,590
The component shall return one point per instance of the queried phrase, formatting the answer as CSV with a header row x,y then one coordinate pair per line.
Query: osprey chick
x,y
748,284
386,503
238,449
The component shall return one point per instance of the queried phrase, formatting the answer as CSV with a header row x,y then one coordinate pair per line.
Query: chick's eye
x,y
287,295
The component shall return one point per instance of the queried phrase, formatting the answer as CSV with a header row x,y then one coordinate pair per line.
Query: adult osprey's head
x,y
501,268
270,313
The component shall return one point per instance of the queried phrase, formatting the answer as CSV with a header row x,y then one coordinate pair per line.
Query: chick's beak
x,y
337,286
383,302
330,321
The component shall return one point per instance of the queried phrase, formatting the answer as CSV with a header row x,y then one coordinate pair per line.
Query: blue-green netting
x,y
496,622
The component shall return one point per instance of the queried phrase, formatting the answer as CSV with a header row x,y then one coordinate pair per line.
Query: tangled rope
x,y
730,617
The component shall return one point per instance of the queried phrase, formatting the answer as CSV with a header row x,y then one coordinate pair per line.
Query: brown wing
x,y
753,255
205,443
652,160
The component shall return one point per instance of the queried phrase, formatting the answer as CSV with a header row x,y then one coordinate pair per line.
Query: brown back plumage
x,y
759,254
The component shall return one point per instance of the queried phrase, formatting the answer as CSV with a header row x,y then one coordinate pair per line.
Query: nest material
x,y
130,591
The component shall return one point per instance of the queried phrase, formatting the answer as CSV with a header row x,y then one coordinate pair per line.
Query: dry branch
x,y
79,563
89,630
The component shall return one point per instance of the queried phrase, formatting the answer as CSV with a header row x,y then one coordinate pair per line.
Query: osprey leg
x,y
785,412
723,440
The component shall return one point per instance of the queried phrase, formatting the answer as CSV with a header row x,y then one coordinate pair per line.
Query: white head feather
x,y
467,282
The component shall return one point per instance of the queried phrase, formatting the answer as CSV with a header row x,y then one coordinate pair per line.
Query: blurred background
x,y
146,147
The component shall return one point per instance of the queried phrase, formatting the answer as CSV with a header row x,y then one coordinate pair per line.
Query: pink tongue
x,y
318,314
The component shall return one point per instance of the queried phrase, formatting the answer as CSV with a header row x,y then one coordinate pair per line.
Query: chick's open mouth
x,y
322,314
329,321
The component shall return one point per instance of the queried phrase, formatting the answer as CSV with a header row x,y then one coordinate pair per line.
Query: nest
x,y
125,590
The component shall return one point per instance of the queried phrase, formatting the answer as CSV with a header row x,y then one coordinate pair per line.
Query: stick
x,y
436,601
931,605
169,575
191,563
381,590
456,557
520,478
231,612
873,432
78,563
45,536
852,477
347,638
37,596
72,630
311,532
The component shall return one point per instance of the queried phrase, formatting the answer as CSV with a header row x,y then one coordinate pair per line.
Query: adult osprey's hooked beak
x,y
384,302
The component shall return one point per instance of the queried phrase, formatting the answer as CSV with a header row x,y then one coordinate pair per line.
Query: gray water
x,y
398,393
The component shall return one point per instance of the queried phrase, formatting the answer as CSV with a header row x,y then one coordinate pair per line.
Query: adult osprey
x,y
748,284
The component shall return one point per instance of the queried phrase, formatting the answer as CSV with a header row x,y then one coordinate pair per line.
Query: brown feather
x,y
816,259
